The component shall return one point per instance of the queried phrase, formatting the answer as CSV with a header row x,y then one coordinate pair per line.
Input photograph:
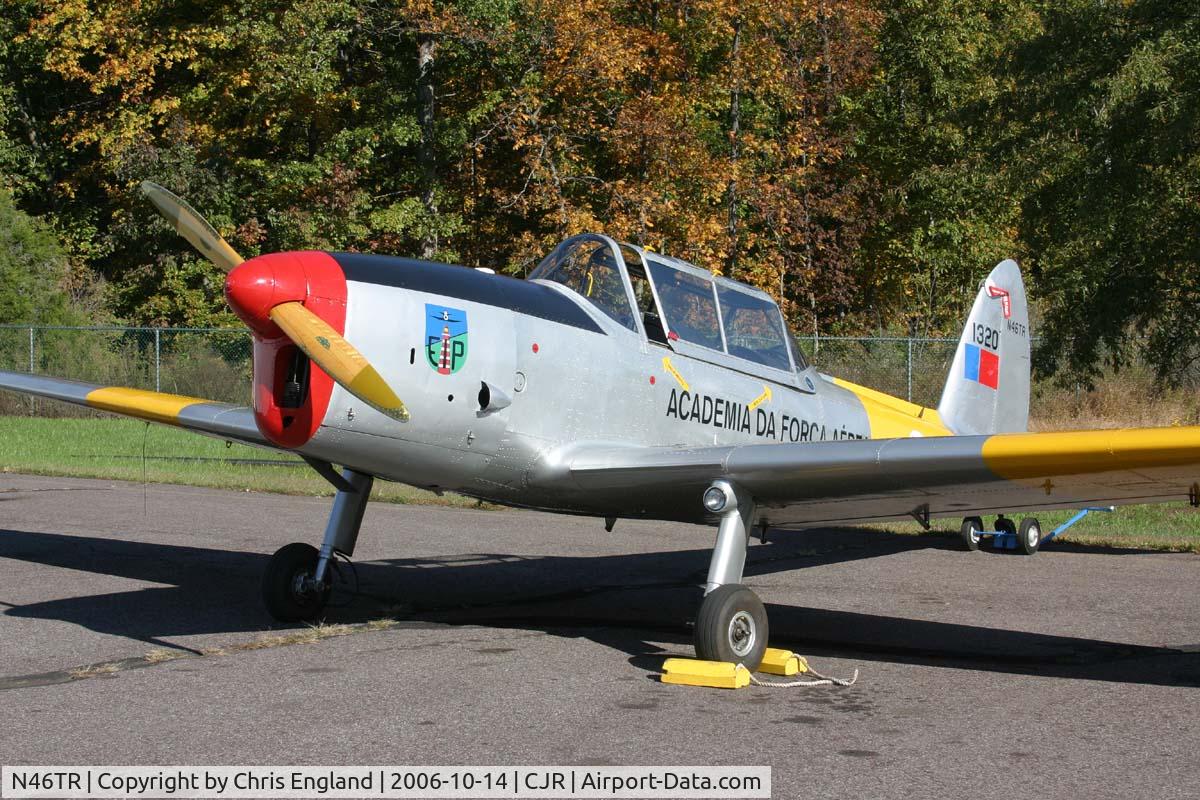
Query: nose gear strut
x,y
298,579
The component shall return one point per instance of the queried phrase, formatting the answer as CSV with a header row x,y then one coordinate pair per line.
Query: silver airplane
x,y
617,382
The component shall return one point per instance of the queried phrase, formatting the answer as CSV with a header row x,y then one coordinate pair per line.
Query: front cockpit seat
x,y
654,327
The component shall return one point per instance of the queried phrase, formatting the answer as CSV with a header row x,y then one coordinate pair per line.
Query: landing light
x,y
715,499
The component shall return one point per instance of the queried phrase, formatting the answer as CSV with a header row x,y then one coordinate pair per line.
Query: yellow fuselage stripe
x,y
893,418
1040,455
153,406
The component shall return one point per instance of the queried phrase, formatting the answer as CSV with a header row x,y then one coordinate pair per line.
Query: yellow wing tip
x,y
141,403
1051,453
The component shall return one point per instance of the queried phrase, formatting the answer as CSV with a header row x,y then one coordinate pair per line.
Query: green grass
x,y
1173,527
112,448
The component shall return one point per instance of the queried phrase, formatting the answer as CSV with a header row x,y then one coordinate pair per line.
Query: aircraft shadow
x,y
613,600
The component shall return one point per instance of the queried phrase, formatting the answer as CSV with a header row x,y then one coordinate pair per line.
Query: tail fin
x,y
987,390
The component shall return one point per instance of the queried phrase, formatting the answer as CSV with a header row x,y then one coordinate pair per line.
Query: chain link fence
x,y
914,369
215,363
200,362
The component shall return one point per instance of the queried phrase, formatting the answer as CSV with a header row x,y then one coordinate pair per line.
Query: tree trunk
x,y
826,59
735,122
647,90
427,149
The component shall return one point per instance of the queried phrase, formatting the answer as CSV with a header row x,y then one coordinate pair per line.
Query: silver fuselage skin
x,y
569,386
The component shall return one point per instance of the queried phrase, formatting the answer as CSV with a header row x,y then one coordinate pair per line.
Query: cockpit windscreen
x,y
587,266
688,305
753,328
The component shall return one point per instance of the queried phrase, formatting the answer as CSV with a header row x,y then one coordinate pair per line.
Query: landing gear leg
x,y
297,581
732,623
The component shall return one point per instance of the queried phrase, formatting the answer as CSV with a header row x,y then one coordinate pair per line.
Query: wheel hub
x,y
741,633
303,585
1032,536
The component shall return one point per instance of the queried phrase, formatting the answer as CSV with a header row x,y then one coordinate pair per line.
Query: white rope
x,y
821,680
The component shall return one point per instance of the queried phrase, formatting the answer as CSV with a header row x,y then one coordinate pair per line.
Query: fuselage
x,y
504,378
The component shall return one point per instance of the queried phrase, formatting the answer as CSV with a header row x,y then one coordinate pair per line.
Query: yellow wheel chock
x,y
725,675
782,662
715,674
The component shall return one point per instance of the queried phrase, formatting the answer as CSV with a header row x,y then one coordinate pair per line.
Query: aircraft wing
x,y
203,416
856,481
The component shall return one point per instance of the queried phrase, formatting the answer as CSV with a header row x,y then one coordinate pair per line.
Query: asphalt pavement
x,y
131,632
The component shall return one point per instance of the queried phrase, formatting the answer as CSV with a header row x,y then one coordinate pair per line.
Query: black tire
x,y
971,532
280,592
1029,536
732,626
1005,526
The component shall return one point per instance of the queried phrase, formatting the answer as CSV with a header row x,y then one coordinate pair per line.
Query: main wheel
x,y
1029,536
732,626
287,586
971,532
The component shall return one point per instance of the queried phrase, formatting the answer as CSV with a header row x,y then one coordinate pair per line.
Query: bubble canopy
x,y
675,304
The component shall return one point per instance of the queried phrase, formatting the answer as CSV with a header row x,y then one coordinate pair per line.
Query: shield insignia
x,y
445,338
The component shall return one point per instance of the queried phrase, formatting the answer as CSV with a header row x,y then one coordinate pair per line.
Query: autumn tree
x,y
865,161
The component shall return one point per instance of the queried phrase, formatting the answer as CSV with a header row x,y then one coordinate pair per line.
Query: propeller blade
x,y
191,226
338,358
325,346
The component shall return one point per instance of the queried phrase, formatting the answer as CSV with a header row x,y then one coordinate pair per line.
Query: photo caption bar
x,y
384,782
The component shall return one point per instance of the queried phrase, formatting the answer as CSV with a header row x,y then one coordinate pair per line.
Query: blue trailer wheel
x,y
971,532
1029,536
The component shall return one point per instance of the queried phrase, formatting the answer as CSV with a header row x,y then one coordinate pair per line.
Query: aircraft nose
x,y
256,286
290,400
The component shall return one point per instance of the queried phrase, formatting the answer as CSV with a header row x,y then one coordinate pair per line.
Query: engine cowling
x,y
291,395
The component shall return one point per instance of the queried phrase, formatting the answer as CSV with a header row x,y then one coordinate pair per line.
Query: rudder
x,y
987,390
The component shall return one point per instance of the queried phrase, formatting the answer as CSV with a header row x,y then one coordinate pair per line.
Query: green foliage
x,y
1112,206
932,122
32,269
1062,133
865,161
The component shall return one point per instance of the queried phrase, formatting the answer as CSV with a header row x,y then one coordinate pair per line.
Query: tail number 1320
x,y
987,336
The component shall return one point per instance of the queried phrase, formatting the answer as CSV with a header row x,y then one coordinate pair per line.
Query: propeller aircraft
x,y
616,383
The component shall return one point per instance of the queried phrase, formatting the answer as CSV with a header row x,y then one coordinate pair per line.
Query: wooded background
x,y
865,161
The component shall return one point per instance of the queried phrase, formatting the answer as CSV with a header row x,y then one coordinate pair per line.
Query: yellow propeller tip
x,y
396,410
340,360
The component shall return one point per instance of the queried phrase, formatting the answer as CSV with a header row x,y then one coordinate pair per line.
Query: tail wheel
x,y
1029,536
732,626
287,587
971,532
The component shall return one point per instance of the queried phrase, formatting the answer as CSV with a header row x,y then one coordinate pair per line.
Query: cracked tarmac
x,y
512,637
